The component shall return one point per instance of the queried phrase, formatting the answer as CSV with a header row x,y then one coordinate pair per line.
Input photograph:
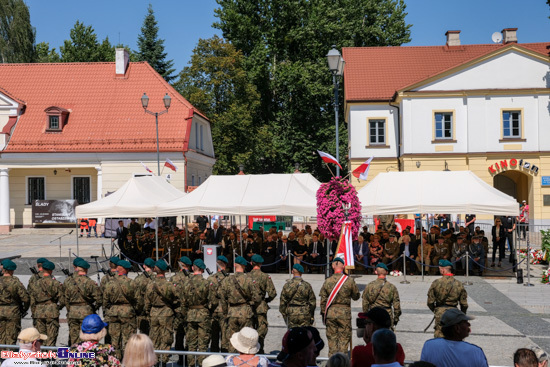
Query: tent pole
x,y
77,247
241,234
421,248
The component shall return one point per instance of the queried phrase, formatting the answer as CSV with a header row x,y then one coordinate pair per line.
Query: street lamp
x,y
336,66
144,103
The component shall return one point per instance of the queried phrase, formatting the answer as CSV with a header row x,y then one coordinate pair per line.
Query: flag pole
x,y
329,169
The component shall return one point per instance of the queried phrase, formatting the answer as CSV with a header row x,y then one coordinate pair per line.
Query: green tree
x,y
44,54
284,43
84,46
17,35
151,48
216,84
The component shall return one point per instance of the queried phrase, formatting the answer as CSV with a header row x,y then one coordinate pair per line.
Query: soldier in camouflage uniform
x,y
33,279
140,283
265,285
391,251
82,298
179,279
160,301
219,322
338,316
445,293
111,274
298,300
240,297
47,299
381,293
441,251
14,303
120,298
196,298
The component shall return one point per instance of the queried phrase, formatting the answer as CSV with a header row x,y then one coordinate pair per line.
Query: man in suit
x,y
361,251
411,251
197,248
317,253
283,249
215,235
121,236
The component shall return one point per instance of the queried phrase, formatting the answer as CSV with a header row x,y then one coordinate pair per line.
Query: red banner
x,y
265,218
401,224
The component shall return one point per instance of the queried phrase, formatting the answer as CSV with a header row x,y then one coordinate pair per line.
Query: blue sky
x,y
183,22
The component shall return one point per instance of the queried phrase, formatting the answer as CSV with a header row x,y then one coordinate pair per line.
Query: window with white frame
x,y
511,124
443,125
36,189
377,132
53,122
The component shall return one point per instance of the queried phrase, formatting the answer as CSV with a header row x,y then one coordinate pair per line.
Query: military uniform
x,y
219,321
298,302
338,316
444,293
106,279
82,298
178,280
14,302
47,299
427,255
441,251
381,293
265,285
391,249
140,283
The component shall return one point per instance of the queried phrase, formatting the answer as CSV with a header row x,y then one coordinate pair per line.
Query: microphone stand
x,y
59,238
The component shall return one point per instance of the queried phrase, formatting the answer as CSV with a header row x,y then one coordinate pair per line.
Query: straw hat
x,y
214,361
246,341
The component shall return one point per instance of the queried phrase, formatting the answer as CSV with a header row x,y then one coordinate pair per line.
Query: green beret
x,y
339,259
186,260
41,260
125,264
445,263
241,261
149,262
223,258
199,264
48,265
114,260
76,261
161,265
383,266
298,267
257,259
9,265
83,264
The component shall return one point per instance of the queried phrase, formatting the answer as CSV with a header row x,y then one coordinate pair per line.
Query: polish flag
x,y
362,171
146,168
327,158
345,246
170,165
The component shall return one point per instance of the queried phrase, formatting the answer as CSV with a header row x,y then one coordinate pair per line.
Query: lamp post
x,y
336,67
144,103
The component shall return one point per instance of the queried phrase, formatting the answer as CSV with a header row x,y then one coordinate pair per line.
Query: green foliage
x,y
44,54
151,48
84,46
17,35
545,238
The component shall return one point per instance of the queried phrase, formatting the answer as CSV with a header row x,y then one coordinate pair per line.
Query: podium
x,y
210,255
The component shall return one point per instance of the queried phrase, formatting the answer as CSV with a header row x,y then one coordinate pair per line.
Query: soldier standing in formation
x,y
141,282
445,293
33,279
47,298
119,298
160,300
219,323
298,302
178,280
337,315
265,285
107,278
14,303
82,298
381,293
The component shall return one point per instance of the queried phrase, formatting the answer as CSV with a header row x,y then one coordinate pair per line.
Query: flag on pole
x,y
362,171
345,246
327,158
146,168
170,165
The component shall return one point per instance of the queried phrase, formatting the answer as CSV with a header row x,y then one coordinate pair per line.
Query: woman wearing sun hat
x,y
246,343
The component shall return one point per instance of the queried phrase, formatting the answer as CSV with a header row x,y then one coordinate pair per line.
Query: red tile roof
x,y
376,73
105,111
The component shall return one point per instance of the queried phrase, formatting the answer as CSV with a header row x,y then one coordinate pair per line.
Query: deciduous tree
x,y
84,46
17,35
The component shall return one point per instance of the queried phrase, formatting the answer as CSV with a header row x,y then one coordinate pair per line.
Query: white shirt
x,y
151,225
14,362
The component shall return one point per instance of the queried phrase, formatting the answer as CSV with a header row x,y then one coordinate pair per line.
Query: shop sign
x,y
513,163
545,180
53,211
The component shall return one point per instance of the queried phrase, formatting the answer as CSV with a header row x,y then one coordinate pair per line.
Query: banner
x,y
345,246
255,218
53,211
400,223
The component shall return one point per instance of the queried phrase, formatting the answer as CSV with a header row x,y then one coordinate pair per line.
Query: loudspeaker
x,y
519,276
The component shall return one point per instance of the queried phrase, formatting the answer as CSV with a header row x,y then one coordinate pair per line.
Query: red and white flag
x,y
146,168
362,171
170,165
333,294
327,158
345,247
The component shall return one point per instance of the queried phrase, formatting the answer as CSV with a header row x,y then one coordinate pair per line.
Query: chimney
x,y
122,58
509,35
453,38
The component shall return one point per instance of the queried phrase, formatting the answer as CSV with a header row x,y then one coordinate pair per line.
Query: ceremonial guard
x,y
298,302
82,298
381,293
336,295
160,300
444,293
241,297
36,276
46,295
173,245
14,303
141,282
219,323
179,280
265,285
119,298
391,251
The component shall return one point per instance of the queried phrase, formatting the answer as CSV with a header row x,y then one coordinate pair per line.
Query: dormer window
x,y
56,118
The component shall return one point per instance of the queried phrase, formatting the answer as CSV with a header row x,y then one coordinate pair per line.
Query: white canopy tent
x,y
270,194
449,192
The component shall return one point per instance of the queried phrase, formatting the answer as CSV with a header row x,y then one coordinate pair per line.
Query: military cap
x,y
445,263
199,264
339,259
393,235
76,261
48,265
186,260
114,260
161,265
83,264
241,261
257,259
41,260
383,266
125,264
223,258
9,265
149,262
298,267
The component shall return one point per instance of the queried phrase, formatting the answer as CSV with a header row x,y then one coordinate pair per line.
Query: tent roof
x,y
453,192
138,197
271,194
